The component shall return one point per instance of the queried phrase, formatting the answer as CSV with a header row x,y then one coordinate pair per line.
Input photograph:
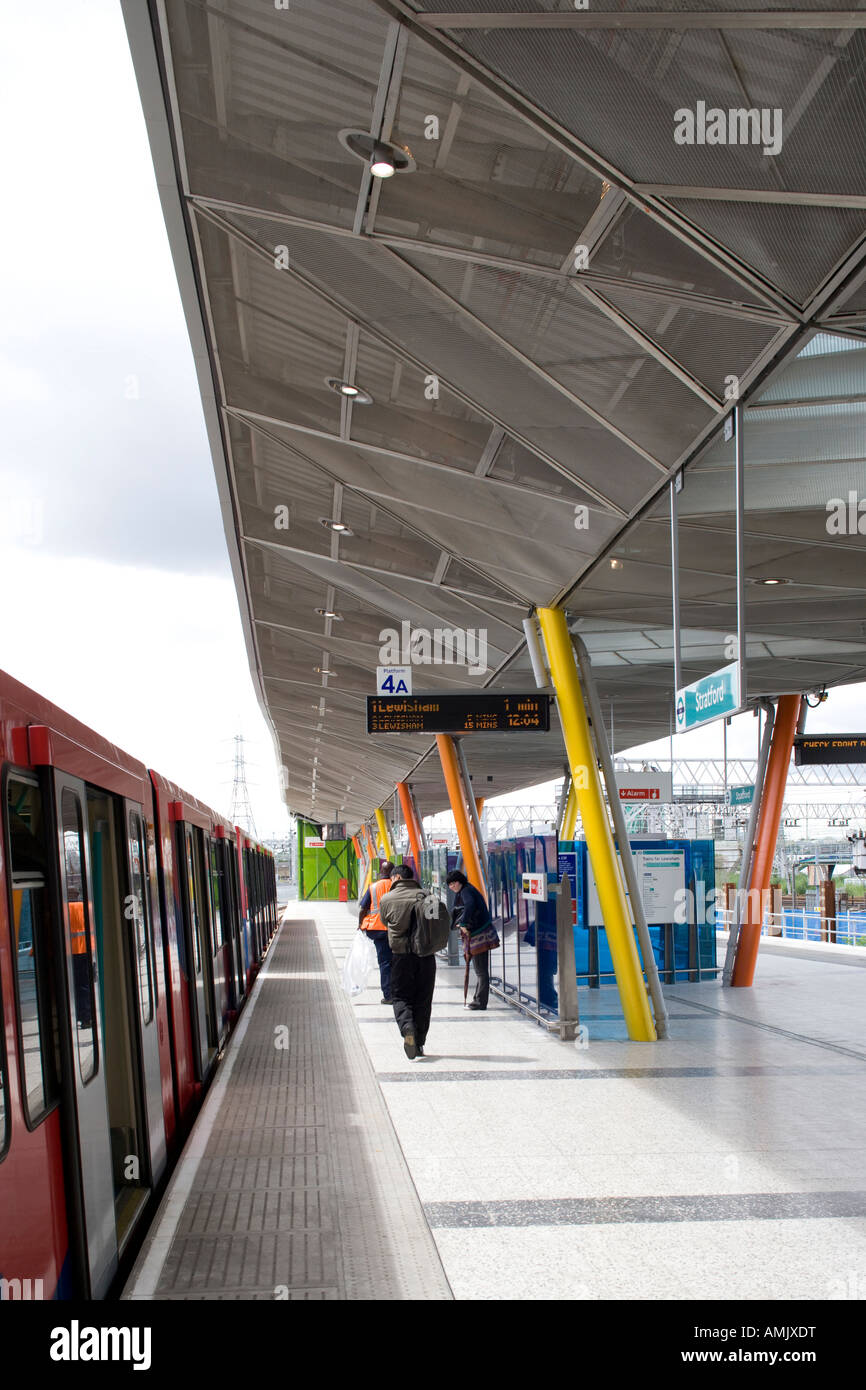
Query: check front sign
x,y
817,749
712,697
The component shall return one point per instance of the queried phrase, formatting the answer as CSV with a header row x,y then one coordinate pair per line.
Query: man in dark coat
x,y
413,978
472,916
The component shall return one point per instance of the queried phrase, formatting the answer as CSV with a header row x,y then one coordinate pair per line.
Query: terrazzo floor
x,y
728,1161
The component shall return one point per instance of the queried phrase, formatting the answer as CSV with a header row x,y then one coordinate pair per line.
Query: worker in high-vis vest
x,y
370,921
80,964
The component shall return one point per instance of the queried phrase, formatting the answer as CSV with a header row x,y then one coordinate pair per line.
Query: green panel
x,y
322,869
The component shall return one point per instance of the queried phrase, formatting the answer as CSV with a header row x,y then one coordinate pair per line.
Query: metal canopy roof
x,y
557,388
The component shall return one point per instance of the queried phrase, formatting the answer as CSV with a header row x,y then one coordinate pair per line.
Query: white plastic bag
x,y
360,961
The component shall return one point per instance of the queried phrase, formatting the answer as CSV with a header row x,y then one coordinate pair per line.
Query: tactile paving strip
x,y
302,1191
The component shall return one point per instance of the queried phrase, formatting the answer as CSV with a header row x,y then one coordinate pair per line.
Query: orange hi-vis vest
x,y
373,922
77,929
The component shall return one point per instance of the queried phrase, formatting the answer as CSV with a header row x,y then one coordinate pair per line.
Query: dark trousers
x,y
481,962
413,979
383,955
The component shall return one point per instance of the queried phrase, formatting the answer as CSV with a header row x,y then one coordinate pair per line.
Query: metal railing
x,y
806,924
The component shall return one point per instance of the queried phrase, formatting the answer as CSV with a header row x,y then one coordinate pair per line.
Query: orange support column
x,y
457,797
772,796
411,823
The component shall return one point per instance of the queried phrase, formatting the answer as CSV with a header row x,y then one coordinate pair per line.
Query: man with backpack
x,y
418,926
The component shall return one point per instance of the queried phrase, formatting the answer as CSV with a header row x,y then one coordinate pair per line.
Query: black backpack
x,y
432,925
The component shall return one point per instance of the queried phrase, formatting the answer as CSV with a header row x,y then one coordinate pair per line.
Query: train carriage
x,y
122,970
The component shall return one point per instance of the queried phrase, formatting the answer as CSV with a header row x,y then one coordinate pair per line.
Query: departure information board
x,y
457,714
811,749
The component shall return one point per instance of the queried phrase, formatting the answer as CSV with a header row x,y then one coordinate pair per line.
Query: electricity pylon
x,y
242,811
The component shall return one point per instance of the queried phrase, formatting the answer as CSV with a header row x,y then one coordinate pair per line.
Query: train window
x,y
140,914
194,899
80,937
37,1015
216,896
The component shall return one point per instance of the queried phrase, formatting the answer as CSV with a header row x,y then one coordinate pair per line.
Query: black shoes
x,y
409,1046
383,1000
473,1005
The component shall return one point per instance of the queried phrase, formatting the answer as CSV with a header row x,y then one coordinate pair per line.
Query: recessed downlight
x,y
353,393
329,613
330,524
383,156
771,580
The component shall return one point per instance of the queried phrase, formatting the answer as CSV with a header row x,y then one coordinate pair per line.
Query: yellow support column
x,y
451,770
383,833
569,815
599,838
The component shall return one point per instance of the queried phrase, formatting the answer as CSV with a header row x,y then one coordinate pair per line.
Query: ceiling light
x,y
771,581
616,564
323,671
382,164
383,156
356,394
331,525
329,613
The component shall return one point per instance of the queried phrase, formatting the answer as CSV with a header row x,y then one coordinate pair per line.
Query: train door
x,y
138,913
117,952
198,955
220,948
87,1070
232,917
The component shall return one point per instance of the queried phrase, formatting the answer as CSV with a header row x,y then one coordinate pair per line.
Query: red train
x,y
133,920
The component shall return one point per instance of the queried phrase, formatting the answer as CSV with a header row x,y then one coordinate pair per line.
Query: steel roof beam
x,y
649,345
254,418
644,19
676,294
754,195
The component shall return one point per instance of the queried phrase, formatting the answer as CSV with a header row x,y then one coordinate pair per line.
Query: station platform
x,y
728,1162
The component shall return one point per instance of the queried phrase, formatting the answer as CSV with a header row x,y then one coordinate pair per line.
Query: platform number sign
x,y
393,680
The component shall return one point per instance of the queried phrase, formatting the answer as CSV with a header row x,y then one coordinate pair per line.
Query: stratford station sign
x,y
815,749
457,714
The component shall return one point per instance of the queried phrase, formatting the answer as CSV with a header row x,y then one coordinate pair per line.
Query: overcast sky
x,y
112,550
118,601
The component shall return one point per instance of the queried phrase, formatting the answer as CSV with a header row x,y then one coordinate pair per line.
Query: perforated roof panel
x,y
551,316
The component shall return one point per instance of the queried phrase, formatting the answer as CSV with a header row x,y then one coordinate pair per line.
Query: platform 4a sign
x,y
393,680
